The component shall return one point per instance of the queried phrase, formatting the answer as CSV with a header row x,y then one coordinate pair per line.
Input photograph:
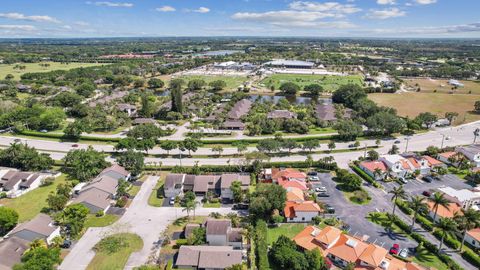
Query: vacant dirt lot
x,y
430,85
411,104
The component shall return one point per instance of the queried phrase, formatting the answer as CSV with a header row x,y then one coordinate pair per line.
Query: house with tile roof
x,y
287,174
11,251
398,166
473,237
375,169
303,211
219,232
442,211
342,249
464,197
445,156
472,152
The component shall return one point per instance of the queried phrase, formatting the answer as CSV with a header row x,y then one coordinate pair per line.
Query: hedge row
x,y
423,221
262,245
297,139
471,257
429,246
365,176
450,241
403,205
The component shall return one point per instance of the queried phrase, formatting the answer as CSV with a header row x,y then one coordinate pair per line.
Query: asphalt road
x,y
140,218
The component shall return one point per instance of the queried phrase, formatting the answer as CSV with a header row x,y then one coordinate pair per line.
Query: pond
x,y
292,99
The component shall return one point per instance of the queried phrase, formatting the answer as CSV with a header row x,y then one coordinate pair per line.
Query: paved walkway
x,y
140,218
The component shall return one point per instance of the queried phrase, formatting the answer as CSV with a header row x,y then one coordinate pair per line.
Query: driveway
x,y
140,218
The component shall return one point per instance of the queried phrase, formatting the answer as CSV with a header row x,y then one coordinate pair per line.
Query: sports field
x,y
428,85
233,82
329,82
411,104
35,67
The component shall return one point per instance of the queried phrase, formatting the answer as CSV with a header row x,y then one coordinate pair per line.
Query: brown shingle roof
x,y
11,251
228,179
41,224
95,197
281,114
240,109
326,112
173,179
117,169
216,257
218,226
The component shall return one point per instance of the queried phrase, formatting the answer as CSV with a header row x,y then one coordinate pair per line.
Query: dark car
x,y
329,209
397,142
428,178
312,173
17,140
426,193
323,194
75,145
394,249
66,244
240,206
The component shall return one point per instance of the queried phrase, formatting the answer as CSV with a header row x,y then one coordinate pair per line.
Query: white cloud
x,y
17,27
386,2
385,13
334,7
82,23
292,18
110,4
201,10
165,9
433,30
34,18
425,2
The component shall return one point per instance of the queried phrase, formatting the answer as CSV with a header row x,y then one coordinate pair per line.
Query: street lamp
x,y
443,139
407,139
476,133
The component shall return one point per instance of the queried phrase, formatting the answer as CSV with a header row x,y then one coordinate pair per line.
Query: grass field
x,y
233,82
35,67
103,221
30,204
329,83
105,260
153,200
411,104
288,230
430,85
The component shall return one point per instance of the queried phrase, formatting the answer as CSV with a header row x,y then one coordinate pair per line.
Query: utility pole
x,y
443,139
406,146
365,152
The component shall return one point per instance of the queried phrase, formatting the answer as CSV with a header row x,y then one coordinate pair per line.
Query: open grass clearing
x,y
156,198
412,104
441,86
233,82
329,83
113,251
103,221
360,197
31,203
36,68
288,230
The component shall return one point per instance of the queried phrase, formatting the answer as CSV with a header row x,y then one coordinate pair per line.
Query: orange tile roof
x,y
447,154
348,248
292,183
475,234
328,235
414,163
372,165
373,255
295,194
432,161
292,207
444,212
405,164
287,173
306,240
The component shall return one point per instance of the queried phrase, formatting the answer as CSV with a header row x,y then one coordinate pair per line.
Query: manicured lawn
x,y
103,221
179,224
233,82
30,204
329,83
35,68
211,205
118,257
153,200
288,230
436,103
359,197
425,258
441,86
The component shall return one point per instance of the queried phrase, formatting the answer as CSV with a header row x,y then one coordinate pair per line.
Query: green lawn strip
x,y
103,221
288,230
179,224
426,258
116,255
156,197
212,205
31,203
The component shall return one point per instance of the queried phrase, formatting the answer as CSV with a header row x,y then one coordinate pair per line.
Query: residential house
x,y
442,211
471,152
226,181
434,163
303,211
293,184
376,169
129,109
205,183
207,257
464,197
473,237
445,156
16,183
417,163
40,227
173,185
287,174
281,114
116,171
115,95
11,251
219,232
343,249
398,166
295,195
240,109
328,112
233,125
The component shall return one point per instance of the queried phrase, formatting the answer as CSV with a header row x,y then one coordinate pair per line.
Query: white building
x,y
463,197
473,237
40,227
16,183
472,152
219,232
398,166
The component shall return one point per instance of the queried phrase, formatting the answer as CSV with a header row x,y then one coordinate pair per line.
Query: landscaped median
x,y
113,251
365,176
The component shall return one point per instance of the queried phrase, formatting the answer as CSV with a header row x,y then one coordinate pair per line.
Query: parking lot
x,y
354,215
416,187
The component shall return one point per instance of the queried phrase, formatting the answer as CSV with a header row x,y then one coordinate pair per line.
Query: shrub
x,y
111,244
47,181
3,195
180,242
99,213
425,223
402,205
366,177
262,246
471,257
122,202
449,240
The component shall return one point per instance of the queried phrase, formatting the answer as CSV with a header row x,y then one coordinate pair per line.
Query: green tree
x,y
438,199
155,83
348,130
84,164
168,146
237,191
315,260
132,161
266,199
477,106
241,146
289,88
8,219
470,219
394,150
197,237
348,94
72,219
218,85
75,129
417,203
177,100
397,193
191,144
289,144
446,226
451,116
148,108
284,255
268,145
85,89
41,258
331,145
373,155
314,89
25,158
427,119
196,84
311,144
218,149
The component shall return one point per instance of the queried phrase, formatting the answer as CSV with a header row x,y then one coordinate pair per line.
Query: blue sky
x,y
342,18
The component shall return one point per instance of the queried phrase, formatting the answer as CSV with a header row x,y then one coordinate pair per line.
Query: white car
x,y
321,189
313,178
172,201
403,253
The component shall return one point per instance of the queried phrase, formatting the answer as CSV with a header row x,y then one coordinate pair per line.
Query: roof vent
x,y
351,243
315,232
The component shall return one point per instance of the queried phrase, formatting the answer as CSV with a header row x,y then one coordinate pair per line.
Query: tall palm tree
x,y
438,199
446,225
377,172
189,206
468,221
397,193
417,203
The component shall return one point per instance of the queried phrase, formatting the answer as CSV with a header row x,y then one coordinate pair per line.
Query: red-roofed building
x,y
293,183
473,237
301,211
444,157
288,174
376,169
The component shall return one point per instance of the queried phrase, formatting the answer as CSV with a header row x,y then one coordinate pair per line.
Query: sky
x,y
157,18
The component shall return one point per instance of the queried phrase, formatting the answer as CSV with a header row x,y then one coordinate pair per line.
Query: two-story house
x,y
219,232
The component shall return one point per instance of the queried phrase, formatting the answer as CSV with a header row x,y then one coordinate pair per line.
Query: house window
x,y
303,218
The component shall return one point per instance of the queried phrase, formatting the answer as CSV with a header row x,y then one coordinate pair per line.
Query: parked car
x,y
323,194
329,209
346,227
240,206
43,131
312,173
428,178
313,178
172,201
403,180
403,253
66,244
74,145
426,193
397,142
321,189
17,140
394,249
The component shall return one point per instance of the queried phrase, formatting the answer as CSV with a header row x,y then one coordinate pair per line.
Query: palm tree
x,y
438,199
194,206
377,172
468,221
417,203
397,193
446,225
189,206
37,243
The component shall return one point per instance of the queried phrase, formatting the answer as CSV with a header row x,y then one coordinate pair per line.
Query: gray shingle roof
x,y
11,251
215,257
218,226
41,224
